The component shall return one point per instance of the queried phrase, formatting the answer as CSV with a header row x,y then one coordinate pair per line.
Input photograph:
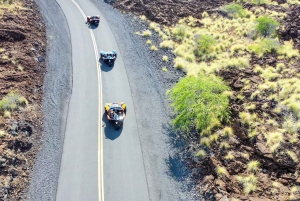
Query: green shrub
x,y
198,102
266,45
266,26
259,2
204,44
234,10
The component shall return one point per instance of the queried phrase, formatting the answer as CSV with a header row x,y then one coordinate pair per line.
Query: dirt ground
x,y
22,69
276,167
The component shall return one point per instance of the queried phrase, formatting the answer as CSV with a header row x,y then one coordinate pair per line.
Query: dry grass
x,y
249,183
227,131
143,17
167,44
12,6
229,156
165,58
146,33
274,139
164,69
20,68
247,118
201,153
214,137
224,145
7,114
154,48
293,156
253,166
221,171
2,133
205,141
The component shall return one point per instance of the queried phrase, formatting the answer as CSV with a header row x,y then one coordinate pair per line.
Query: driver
x,y
110,114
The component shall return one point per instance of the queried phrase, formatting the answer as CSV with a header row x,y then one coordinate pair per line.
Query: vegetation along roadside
x,y
240,97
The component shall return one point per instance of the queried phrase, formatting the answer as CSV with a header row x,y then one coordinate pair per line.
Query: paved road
x,y
123,167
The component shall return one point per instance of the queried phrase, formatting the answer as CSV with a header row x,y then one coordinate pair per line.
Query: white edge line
x,y
100,134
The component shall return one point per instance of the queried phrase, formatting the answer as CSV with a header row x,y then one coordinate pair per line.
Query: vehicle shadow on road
x,y
109,130
91,26
104,67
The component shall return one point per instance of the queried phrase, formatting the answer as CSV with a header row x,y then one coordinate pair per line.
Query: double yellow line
x,y
100,134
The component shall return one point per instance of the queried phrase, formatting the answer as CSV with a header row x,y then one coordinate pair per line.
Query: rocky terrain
x,y
22,67
167,12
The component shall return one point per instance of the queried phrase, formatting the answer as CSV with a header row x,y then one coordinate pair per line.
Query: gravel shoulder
x,y
167,175
57,91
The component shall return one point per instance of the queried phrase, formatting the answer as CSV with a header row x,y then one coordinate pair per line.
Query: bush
x,y
204,44
198,102
266,45
234,10
259,2
266,26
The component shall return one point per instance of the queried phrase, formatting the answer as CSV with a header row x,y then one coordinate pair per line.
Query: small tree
x,y
198,101
266,26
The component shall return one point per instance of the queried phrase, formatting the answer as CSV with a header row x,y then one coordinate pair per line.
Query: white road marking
x,y
100,134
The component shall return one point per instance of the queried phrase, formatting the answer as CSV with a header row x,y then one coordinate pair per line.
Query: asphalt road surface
x,y
123,170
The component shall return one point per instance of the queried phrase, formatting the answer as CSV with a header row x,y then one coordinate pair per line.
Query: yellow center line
x,y
100,138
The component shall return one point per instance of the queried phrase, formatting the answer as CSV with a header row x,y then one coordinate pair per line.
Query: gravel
x,y
57,91
167,174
